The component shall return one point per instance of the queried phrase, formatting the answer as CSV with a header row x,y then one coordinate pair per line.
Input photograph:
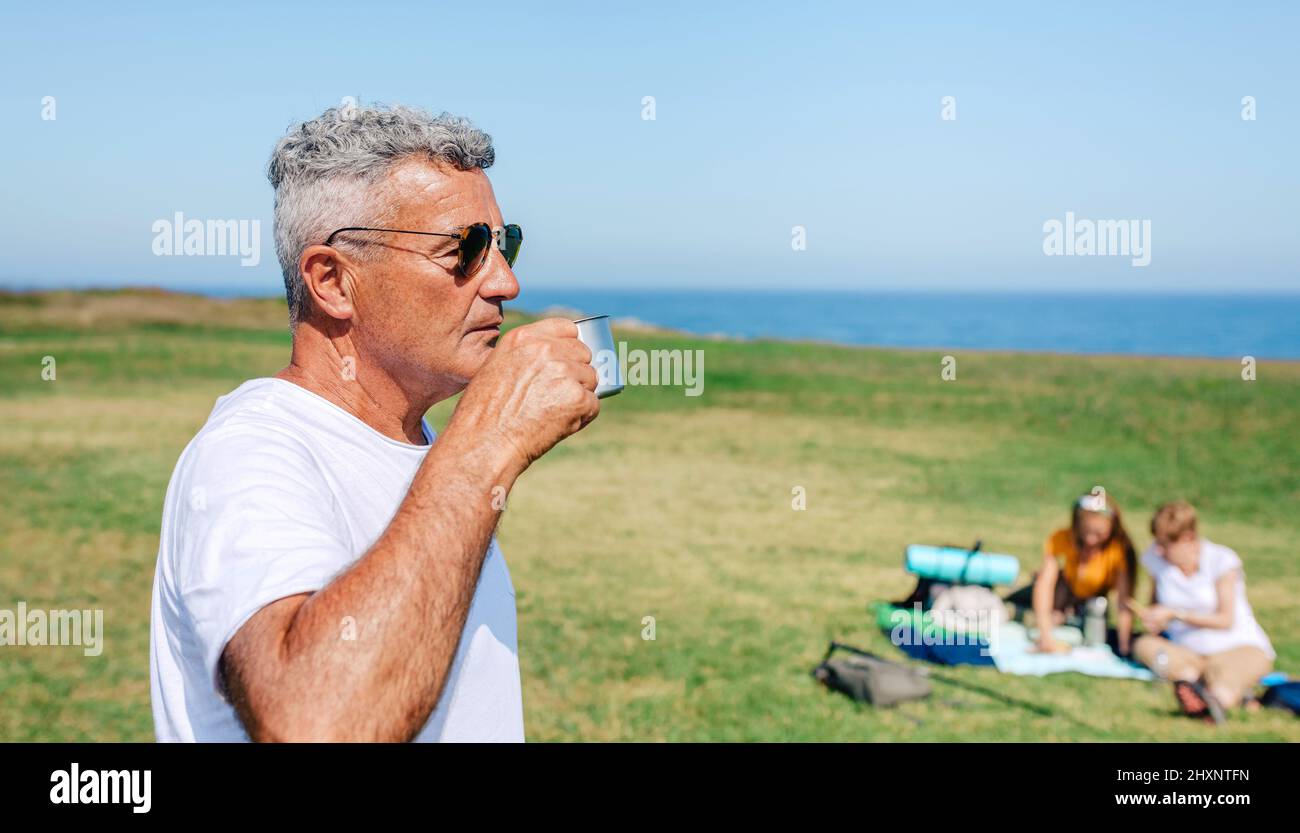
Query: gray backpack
x,y
871,679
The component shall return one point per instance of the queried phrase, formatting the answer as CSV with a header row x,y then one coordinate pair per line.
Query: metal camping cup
x,y
595,332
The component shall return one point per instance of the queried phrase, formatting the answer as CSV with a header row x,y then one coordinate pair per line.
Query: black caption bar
x,y
138,782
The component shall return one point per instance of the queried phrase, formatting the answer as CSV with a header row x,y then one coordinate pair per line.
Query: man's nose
x,y
498,278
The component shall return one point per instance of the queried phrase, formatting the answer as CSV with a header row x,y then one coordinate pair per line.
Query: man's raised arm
x,y
288,673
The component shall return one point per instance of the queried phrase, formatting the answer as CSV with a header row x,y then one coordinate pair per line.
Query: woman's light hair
x,y
326,174
1173,520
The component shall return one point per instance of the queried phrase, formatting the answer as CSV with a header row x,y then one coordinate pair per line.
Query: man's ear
x,y
327,273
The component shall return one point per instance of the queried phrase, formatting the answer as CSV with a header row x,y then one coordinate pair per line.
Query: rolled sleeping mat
x,y
954,564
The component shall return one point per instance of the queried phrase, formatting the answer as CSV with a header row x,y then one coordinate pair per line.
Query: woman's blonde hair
x,y
1173,520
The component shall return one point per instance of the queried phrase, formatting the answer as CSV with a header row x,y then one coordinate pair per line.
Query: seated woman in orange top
x,y
1090,558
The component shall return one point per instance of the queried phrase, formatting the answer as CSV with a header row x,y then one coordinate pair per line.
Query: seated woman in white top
x,y
1215,651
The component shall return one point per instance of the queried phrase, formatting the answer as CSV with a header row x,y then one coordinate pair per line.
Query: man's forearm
x,y
407,599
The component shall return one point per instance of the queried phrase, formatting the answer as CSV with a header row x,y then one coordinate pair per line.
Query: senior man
x,y
327,570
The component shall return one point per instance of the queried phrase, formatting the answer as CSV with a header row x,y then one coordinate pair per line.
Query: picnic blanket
x,y
921,636
1012,654
1010,649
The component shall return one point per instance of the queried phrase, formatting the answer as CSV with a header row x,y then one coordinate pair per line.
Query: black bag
x,y
871,679
1283,695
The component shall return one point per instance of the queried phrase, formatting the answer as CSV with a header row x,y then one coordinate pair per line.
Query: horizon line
x,y
259,292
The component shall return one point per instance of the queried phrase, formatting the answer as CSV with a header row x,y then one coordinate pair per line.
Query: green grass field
x,y
677,508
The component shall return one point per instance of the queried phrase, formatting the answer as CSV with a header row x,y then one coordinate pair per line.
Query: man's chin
x,y
473,357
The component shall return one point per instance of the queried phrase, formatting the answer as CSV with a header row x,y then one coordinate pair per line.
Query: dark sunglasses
x,y
476,243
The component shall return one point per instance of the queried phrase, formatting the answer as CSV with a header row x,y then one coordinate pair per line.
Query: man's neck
x,y
329,368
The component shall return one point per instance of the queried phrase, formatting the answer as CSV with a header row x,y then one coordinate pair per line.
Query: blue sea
x,y
1263,326
1266,326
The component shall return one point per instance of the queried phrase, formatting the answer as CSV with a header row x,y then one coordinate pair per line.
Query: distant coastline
x,y
1264,326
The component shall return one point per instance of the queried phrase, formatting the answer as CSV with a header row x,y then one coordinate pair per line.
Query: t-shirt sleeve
x,y
1151,561
1223,562
257,524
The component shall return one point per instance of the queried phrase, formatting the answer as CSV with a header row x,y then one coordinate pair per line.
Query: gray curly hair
x,y
324,172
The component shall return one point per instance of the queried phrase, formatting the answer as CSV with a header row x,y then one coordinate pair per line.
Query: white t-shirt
x,y
1197,594
278,493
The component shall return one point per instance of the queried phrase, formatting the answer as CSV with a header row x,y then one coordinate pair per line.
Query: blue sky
x,y
767,117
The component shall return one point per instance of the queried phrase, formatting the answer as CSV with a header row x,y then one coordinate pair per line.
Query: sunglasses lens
x,y
475,244
513,239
